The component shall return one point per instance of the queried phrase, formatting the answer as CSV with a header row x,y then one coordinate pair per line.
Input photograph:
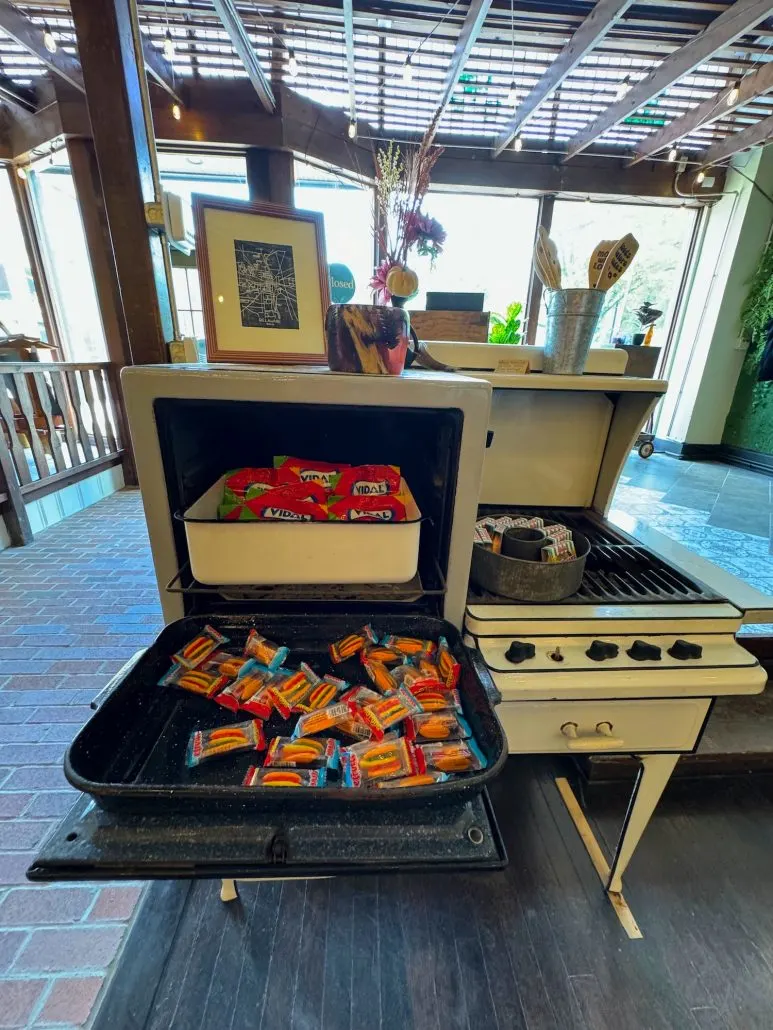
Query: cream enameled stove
x,y
631,663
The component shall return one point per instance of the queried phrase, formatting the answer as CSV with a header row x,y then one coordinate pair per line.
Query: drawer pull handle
x,y
600,740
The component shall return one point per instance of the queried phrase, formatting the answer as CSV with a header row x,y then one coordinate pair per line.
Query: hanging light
x,y
622,88
177,112
408,71
21,172
48,39
168,46
512,95
733,93
700,176
351,132
292,64
518,144
672,154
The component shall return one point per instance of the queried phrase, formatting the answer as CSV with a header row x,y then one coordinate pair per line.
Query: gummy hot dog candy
x,y
224,664
448,666
268,654
389,711
434,697
288,688
381,653
425,779
322,693
381,678
257,777
196,680
430,726
200,648
309,752
456,757
367,763
224,740
352,644
324,719
250,692
410,646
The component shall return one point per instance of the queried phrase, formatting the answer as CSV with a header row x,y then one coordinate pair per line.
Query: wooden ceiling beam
x,y
473,23
16,95
240,41
30,37
594,28
754,136
711,110
724,30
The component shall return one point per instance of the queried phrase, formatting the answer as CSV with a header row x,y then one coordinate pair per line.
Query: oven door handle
x,y
116,681
600,740
483,674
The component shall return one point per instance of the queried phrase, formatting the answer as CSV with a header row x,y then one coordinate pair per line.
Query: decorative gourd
x,y
402,282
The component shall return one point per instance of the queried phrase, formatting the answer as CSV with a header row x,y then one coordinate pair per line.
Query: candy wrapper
x,y
207,684
263,651
224,740
558,532
425,779
482,535
389,711
386,508
381,653
250,692
200,648
449,668
241,483
322,472
369,480
309,752
322,694
225,664
435,697
361,696
456,757
432,726
288,688
349,646
367,763
295,502
558,552
410,647
324,719
257,777
381,678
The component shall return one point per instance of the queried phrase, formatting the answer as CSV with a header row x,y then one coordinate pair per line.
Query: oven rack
x,y
183,582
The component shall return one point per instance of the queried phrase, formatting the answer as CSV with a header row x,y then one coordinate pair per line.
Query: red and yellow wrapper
x,y
225,740
196,651
369,481
257,777
389,711
368,763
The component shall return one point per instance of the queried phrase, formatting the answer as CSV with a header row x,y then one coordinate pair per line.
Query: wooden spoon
x,y
547,258
597,259
618,261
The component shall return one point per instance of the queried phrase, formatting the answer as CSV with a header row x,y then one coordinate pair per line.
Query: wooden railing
x,y
58,424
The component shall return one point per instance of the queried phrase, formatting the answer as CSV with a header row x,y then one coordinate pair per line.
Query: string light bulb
x,y
733,93
21,172
168,46
700,176
512,95
408,71
351,132
622,88
517,144
177,112
292,64
48,39
672,154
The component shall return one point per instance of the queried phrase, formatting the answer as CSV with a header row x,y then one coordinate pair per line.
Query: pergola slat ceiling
x,y
385,33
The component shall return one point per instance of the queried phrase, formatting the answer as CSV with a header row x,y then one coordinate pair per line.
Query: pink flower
x,y
379,278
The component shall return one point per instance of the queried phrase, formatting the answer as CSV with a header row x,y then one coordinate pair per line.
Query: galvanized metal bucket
x,y
573,317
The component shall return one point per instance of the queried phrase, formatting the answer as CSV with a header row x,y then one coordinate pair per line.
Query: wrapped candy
x,y
324,719
200,648
309,752
448,667
257,777
196,680
431,726
224,740
455,757
367,763
369,480
384,508
352,644
425,779
389,711
325,473
263,651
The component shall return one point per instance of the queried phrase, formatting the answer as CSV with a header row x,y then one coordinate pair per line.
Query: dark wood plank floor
x,y
535,947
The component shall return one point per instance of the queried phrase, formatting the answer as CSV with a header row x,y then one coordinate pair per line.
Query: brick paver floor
x,y
74,605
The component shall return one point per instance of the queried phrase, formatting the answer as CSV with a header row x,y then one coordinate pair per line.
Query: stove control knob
x,y
519,651
641,651
601,650
684,651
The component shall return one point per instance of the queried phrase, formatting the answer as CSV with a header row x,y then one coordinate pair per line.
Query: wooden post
x,y
270,175
88,189
16,520
108,38
544,219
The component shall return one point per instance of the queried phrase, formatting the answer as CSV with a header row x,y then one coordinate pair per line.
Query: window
x,y
66,259
663,234
347,209
487,250
19,307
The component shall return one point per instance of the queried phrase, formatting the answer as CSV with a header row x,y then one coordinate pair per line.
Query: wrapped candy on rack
x,y
224,740
200,648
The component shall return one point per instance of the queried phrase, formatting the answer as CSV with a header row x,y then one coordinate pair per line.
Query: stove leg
x,y
654,774
228,890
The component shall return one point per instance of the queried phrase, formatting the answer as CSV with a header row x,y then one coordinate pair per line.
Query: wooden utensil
x,y
547,260
618,261
597,259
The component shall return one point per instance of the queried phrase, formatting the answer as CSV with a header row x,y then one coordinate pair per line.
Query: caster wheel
x,y
646,450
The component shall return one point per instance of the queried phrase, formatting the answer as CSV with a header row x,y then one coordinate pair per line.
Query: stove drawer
x,y
582,727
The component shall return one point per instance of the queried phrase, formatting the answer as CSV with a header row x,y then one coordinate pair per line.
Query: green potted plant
x,y
506,329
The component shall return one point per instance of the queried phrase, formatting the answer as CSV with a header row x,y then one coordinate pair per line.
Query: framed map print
x,y
264,281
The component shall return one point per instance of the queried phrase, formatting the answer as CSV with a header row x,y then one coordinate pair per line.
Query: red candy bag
x,y
367,480
294,503
386,508
241,481
322,472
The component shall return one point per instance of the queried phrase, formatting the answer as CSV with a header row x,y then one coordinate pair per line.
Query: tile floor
x,y
74,605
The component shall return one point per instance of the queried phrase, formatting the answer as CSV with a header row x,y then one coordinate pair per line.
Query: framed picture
x,y
264,281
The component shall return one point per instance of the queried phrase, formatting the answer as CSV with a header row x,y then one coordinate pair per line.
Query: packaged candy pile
x,y
558,545
401,726
314,491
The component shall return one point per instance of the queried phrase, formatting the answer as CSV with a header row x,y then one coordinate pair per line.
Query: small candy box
x,y
482,535
425,779
369,480
449,668
390,710
225,740
367,763
324,719
435,697
200,648
381,678
309,752
410,647
459,756
257,777
558,532
250,692
561,551
431,726
268,654
207,684
352,645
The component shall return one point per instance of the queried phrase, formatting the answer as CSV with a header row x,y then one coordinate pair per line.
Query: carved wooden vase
x,y
368,338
